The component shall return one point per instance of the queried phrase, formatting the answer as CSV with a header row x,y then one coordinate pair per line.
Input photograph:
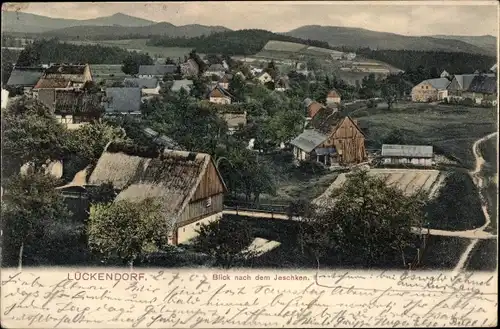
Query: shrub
x,y
363,113
311,167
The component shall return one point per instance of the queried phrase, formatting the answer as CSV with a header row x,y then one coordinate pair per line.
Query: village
x,y
212,138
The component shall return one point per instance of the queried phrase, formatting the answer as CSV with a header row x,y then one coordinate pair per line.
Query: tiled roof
x,y
126,99
325,120
78,103
439,83
483,84
418,151
309,140
218,91
313,108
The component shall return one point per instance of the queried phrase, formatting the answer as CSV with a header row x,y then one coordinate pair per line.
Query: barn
x,y
417,155
187,184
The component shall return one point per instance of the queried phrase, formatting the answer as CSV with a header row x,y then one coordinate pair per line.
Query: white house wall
x,y
186,233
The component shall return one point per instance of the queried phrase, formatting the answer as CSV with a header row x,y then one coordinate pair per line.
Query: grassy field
x,y
451,130
443,252
483,257
489,151
140,46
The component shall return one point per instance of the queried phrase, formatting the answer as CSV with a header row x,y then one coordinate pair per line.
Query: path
x,y
478,181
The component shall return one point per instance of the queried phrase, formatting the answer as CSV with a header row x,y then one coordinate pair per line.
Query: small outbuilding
x,y
417,155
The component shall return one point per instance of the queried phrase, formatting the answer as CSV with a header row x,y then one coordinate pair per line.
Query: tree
x,y
389,94
132,62
104,193
237,87
369,222
199,89
369,86
31,135
31,209
397,136
29,56
127,229
224,240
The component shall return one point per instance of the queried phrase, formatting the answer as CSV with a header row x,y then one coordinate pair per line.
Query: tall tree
x,y
31,134
132,63
126,229
31,209
369,222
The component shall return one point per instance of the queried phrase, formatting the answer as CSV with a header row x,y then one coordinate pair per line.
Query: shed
x,y
420,155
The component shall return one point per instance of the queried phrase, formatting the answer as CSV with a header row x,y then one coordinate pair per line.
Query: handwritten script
x,y
59,298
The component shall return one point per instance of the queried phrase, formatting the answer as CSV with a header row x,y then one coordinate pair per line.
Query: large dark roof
x,y
325,120
24,76
483,84
66,69
78,103
126,99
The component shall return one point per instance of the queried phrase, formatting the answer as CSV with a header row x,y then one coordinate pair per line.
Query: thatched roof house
x,y
187,184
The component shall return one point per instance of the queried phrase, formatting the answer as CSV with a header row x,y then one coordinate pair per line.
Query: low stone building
x,y
430,90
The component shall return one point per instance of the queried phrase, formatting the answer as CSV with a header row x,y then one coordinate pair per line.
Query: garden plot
x,y
408,180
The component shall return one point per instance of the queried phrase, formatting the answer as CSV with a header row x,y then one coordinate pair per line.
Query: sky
x,y
407,18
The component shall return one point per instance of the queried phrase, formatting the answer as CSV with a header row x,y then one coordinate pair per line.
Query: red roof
x,y
333,94
313,108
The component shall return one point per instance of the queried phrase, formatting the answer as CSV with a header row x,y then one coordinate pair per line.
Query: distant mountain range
x,y
361,38
123,26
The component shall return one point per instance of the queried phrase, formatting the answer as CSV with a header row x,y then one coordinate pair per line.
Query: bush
x,y
363,113
311,167
371,104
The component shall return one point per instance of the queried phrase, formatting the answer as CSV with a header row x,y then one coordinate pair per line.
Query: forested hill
x,y
53,51
452,62
241,42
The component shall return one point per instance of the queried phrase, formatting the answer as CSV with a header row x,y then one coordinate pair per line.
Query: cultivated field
x,y
408,180
284,46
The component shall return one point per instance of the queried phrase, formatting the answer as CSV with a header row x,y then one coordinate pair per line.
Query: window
x,y
209,202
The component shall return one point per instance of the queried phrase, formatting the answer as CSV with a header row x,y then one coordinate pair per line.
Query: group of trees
x,y
413,62
44,51
241,42
133,61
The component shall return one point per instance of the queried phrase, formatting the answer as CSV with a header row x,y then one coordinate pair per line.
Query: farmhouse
x,y
482,87
215,69
265,78
459,84
25,77
418,155
125,100
219,95
430,90
444,74
61,77
182,84
330,140
75,107
149,87
156,71
190,68
224,81
282,84
333,97
188,185
235,121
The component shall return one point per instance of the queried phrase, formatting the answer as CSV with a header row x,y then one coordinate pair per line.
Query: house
x,y
215,69
156,71
282,84
418,155
331,140
482,87
61,77
76,107
125,100
430,90
25,77
265,78
188,185
312,108
459,84
494,68
444,74
149,86
179,84
190,68
235,120
219,95
333,97
256,71
224,81
5,98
